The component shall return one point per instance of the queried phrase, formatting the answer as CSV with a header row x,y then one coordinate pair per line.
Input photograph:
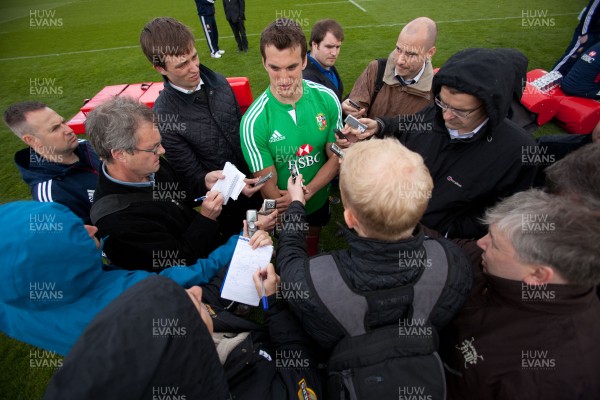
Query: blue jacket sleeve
x,y
205,268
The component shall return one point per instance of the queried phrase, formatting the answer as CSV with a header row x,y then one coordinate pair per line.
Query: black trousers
x,y
239,32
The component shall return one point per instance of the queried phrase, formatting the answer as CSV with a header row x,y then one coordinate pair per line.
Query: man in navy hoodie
x,y
206,13
56,165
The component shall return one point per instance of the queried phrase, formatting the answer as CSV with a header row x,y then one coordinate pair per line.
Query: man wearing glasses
x,y
402,83
140,207
475,155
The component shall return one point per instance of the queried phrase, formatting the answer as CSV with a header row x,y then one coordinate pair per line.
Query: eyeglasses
x,y
153,150
458,113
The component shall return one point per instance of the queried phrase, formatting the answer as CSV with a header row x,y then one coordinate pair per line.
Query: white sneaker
x,y
215,55
221,52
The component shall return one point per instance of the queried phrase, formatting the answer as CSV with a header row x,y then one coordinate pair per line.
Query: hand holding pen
x,y
266,282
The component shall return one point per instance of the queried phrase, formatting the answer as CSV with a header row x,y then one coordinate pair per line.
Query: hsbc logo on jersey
x,y
304,150
305,158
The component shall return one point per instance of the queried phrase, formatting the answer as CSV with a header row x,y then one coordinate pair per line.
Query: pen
x,y
201,198
265,303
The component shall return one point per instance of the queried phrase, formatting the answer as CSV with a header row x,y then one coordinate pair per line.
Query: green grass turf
x,y
94,43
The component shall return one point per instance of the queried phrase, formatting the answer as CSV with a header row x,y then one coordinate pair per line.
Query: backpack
x,y
381,62
385,362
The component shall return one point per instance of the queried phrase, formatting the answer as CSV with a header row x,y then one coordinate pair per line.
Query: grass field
x,y
71,49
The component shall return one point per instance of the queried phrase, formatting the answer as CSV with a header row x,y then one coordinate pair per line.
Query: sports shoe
x,y
221,51
215,55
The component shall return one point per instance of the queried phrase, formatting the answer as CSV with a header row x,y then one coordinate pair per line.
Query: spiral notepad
x,y
232,185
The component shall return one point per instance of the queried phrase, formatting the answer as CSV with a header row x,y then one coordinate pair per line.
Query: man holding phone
x,y
402,83
292,125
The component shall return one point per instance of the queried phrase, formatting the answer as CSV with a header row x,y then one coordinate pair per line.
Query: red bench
x,y
574,114
147,93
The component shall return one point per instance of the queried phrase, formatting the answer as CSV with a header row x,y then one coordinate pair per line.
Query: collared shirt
x,y
461,136
187,91
413,80
327,72
132,184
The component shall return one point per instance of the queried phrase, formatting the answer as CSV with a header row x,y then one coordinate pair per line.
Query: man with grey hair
x,y
140,206
57,166
402,83
530,328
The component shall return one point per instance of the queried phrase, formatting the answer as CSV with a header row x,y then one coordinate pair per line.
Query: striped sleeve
x,y
254,138
43,191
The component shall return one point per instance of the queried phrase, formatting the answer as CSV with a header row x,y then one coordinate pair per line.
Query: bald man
x,y
407,75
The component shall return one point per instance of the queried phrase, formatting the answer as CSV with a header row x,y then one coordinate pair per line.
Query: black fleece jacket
x,y
157,233
473,174
370,265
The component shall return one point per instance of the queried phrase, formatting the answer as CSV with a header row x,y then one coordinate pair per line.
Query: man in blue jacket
x,y
56,166
53,282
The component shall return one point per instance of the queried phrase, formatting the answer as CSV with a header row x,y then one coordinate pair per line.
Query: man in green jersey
x,y
291,124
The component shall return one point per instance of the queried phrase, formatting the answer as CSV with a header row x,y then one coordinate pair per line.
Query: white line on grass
x,y
359,7
327,2
256,34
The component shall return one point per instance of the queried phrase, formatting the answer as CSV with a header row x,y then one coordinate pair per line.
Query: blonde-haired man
x,y
385,189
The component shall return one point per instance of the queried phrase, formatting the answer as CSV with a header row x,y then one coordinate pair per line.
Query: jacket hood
x,y
495,76
51,278
149,341
35,169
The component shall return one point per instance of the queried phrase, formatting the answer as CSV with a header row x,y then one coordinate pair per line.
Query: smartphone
x,y
263,179
337,150
268,206
294,172
251,218
354,104
339,134
356,124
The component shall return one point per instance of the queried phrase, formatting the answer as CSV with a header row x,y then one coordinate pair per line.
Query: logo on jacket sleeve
x,y
589,57
321,121
304,150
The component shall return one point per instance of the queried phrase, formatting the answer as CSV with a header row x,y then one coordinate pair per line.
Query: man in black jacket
x,y
325,41
198,115
385,189
154,225
154,341
235,12
530,327
476,156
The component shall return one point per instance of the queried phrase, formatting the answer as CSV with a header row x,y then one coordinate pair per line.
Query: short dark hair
x,y
15,118
163,37
283,33
577,176
320,29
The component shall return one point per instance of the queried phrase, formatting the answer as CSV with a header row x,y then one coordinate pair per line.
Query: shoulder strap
x,y
346,306
428,288
381,62
112,203
350,308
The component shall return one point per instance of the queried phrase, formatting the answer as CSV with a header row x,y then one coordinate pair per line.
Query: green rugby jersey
x,y
272,133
